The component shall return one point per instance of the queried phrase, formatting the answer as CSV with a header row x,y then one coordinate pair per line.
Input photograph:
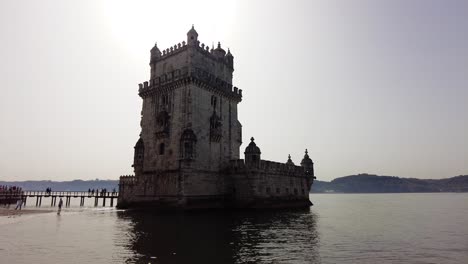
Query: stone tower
x,y
187,155
189,108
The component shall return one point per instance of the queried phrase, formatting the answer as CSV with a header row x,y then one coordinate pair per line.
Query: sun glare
x,y
136,25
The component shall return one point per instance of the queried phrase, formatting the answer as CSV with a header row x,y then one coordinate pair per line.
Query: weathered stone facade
x,y
187,155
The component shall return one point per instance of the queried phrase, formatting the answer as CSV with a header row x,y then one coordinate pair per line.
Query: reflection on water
x,y
339,228
222,237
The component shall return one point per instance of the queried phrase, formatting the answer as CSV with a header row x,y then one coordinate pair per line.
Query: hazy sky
x,y
367,86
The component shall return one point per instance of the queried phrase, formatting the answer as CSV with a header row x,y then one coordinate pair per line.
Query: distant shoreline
x,y
361,183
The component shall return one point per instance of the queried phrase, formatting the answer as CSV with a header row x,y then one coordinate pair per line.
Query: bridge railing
x,y
71,193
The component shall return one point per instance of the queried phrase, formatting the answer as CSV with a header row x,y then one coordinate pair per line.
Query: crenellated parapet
x,y
166,53
268,167
179,77
212,53
127,179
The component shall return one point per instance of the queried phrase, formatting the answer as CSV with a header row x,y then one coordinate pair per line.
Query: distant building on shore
x,y
188,152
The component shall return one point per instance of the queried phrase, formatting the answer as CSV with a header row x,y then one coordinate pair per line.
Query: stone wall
x,y
266,183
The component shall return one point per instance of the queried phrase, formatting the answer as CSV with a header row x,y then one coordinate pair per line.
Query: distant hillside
x,y
362,183
76,185
367,183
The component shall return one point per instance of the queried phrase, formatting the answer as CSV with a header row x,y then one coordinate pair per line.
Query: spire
x,y
289,162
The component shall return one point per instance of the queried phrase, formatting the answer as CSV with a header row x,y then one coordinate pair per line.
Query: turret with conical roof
x,y
307,164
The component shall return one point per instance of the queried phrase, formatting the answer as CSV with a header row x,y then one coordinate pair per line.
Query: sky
x,y
367,86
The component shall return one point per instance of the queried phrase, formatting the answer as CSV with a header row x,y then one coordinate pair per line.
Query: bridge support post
x,y
95,202
40,201
104,202
37,201
112,202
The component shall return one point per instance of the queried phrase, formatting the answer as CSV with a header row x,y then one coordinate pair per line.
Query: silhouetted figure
x,y
60,206
19,204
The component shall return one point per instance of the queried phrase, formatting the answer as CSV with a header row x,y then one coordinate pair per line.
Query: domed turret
x,y
289,162
192,36
155,53
139,156
219,52
252,153
307,164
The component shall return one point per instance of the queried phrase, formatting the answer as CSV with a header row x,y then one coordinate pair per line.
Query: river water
x,y
339,228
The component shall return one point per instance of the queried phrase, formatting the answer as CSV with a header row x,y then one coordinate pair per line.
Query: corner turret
x,y
192,37
230,59
252,153
289,162
219,52
155,53
307,164
139,157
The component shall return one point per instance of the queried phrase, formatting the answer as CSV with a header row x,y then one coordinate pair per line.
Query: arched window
x,y
161,148
188,142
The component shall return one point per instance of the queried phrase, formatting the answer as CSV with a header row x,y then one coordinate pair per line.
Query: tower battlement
x,y
189,55
175,78
200,47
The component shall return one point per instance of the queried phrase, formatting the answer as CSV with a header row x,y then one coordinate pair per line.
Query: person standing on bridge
x,y
60,206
